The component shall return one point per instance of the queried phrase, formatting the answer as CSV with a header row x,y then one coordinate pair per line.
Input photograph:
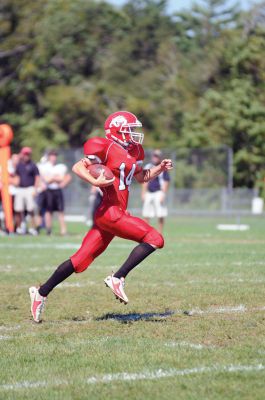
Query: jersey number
x,y
125,180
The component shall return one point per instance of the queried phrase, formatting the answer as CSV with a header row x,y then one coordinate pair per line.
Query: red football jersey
x,y
124,164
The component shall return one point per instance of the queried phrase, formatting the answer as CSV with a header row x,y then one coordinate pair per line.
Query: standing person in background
x,y
14,181
28,181
57,178
42,192
95,199
154,193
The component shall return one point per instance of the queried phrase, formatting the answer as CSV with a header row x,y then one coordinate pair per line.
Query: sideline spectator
x,y
28,181
42,194
154,193
95,198
56,178
13,182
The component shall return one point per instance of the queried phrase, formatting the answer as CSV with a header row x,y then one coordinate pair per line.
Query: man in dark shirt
x,y
28,176
154,193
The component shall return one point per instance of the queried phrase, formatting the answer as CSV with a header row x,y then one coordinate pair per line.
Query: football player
x,y
122,152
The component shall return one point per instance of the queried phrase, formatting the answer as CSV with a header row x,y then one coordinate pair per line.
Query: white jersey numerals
x,y
125,180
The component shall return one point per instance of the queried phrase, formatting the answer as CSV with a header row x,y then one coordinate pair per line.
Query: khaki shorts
x,y
25,199
153,207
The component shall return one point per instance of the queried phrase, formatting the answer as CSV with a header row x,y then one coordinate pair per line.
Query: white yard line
x,y
5,337
224,281
171,373
172,284
137,376
10,328
92,341
241,308
44,268
217,264
57,246
52,268
31,385
6,268
75,284
195,346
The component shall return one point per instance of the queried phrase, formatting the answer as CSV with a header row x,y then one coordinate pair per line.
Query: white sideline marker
x,y
232,227
137,376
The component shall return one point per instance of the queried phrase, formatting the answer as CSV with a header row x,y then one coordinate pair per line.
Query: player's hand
x,y
101,181
166,164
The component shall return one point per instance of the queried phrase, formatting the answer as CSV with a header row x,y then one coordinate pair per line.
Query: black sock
x,y
62,272
138,254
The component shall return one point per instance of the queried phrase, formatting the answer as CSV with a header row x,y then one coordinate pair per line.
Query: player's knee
x,y
81,265
155,239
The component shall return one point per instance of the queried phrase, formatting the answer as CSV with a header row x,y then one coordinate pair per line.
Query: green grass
x,y
200,268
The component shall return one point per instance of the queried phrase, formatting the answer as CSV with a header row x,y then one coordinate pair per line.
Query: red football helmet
x,y
120,126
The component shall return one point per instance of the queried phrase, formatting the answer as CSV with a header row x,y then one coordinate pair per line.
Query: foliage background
x,y
195,78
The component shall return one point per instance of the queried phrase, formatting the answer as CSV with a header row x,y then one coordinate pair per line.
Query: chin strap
x,y
124,144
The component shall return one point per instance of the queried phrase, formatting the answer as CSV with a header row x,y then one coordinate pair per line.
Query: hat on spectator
x,y
26,150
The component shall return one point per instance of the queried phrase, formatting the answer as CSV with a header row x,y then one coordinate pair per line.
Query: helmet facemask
x,y
135,137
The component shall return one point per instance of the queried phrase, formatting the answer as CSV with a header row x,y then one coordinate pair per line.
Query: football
x,y
95,170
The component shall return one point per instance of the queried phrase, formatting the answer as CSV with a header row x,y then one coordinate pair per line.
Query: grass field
x,y
194,327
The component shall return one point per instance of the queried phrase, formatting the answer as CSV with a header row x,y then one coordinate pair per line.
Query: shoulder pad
x,y
96,147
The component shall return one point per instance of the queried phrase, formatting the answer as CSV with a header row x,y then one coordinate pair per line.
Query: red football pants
x,y
110,223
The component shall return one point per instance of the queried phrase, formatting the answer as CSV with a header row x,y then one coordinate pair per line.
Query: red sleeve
x,y
137,152
139,155
96,148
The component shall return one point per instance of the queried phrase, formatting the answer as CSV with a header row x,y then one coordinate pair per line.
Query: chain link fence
x,y
201,183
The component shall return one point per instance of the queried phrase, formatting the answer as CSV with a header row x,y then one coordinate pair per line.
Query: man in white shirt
x,y
154,193
56,177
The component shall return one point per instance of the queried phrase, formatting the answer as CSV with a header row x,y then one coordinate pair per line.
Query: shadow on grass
x,y
134,317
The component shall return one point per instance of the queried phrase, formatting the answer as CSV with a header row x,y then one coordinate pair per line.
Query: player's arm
x,y
81,170
165,182
13,180
165,186
37,182
146,175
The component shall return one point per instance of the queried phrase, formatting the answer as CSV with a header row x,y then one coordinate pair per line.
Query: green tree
x,y
195,78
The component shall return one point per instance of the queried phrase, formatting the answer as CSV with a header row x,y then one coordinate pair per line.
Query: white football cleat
x,y
117,287
37,303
